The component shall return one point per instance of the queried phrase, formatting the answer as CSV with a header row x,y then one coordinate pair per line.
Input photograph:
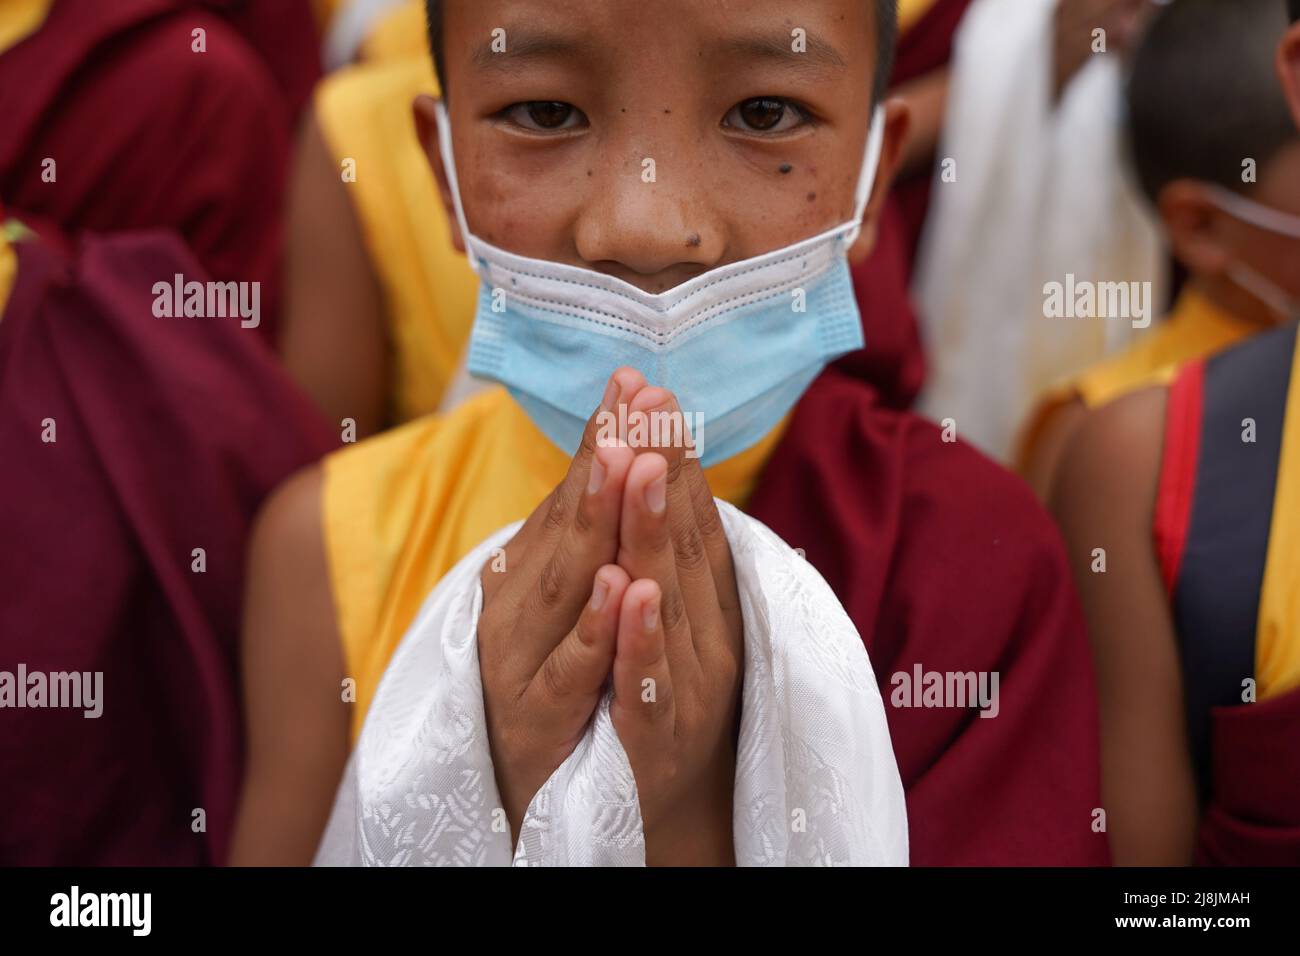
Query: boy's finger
x,y
622,387
570,679
560,586
700,546
644,709
534,542
645,550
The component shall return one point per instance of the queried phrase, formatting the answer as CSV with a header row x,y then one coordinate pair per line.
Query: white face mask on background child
x,y
736,345
1270,220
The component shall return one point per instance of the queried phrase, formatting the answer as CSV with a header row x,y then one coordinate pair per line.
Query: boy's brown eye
x,y
764,114
544,115
549,115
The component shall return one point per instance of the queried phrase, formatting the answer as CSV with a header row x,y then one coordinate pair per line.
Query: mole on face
x,y
784,168
812,196
693,240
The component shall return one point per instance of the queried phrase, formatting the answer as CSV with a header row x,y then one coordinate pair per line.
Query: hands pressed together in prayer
x,y
623,570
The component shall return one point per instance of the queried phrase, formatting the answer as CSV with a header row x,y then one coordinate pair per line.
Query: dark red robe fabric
x,y
169,434
893,359
944,560
147,134
1253,817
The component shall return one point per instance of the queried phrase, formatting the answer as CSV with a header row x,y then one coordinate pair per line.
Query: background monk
x,y
199,141
1195,625
136,451
1210,135
956,560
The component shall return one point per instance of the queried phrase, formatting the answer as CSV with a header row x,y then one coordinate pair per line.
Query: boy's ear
x,y
426,128
897,120
1192,223
1288,68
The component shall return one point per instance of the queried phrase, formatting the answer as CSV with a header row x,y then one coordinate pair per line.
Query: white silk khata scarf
x,y
816,781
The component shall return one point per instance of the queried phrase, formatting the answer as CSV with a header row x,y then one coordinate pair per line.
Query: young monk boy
x,y
380,303
604,189
1210,148
1190,490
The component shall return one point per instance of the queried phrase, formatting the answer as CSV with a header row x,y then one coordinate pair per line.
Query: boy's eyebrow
x,y
766,46
525,45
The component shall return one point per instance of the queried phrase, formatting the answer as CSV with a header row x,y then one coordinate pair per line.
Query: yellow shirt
x,y
428,288
1196,328
400,509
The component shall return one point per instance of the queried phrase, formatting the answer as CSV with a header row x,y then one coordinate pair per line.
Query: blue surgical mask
x,y
736,345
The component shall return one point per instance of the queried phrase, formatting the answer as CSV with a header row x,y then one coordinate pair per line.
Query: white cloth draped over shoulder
x,y
1041,192
816,780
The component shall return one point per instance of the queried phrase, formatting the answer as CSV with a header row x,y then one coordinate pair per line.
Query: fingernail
x,y
656,495
611,393
595,480
650,615
598,594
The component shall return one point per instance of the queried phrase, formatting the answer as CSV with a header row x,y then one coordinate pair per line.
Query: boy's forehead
x,y
804,35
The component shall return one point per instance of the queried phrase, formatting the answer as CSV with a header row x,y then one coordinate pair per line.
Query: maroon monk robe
x,y
169,434
893,359
146,133
945,562
1253,817
284,33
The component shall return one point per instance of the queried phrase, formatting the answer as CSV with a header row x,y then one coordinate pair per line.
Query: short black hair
x,y
1293,7
886,36
1203,96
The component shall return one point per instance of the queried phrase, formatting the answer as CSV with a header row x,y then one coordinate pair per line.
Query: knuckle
x,y
672,610
688,546
550,585
555,675
675,461
557,513
583,521
587,446
707,518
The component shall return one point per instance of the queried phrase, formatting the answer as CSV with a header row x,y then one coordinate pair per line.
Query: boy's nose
x,y
653,234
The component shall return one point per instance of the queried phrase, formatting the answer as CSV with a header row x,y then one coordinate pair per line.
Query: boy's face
x,y
752,139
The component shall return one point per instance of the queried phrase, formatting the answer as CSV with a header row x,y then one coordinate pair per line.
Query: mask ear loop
x,y
1257,214
449,166
867,175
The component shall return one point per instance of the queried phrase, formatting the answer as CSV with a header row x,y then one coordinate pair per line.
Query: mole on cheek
x,y
693,240
784,168
812,196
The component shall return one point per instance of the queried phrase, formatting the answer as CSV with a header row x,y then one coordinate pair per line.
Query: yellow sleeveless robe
x,y
19,19
1277,634
8,268
400,509
1194,329
428,289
